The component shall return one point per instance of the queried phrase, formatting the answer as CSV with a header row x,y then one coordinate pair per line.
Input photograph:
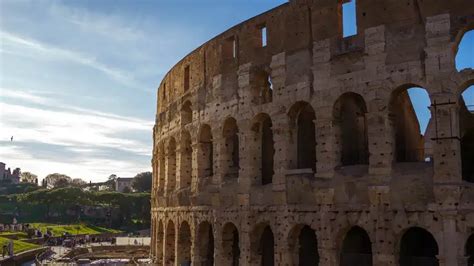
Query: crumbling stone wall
x,y
234,182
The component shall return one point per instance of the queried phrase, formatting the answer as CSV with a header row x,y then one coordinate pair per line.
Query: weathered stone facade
x,y
307,150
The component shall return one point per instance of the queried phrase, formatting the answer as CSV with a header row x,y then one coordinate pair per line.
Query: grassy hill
x,y
18,245
73,229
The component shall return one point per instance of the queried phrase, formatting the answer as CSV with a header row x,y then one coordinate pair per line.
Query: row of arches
x,y
412,135
416,246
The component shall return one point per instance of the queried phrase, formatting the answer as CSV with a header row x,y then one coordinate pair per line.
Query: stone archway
x,y
205,247
169,249
184,244
303,246
262,246
351,126
418,248
469,250
356,248
230,245
302,118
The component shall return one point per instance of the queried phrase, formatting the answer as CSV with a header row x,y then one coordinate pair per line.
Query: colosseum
x,y
283,142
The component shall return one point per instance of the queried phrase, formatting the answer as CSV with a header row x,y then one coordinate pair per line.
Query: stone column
x,y
379,139
450,239
327,147
280,159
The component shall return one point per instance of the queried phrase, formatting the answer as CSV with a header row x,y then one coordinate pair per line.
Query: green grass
x,y
73,229
18,246
19,235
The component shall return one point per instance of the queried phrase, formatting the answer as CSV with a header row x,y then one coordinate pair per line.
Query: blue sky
x,y
78,79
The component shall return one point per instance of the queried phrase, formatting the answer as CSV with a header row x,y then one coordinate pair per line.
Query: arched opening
x,y
302,119
410,118
231,152
159,243
170,244
351,128
262,129
466,131
418,248
230,245
206,152
206,244
263,88
303,246
464,58
469,250
161,166
263,245
186,113
356,248
184,244
171,165
185,163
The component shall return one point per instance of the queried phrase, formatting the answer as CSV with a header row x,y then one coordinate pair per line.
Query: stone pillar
x,y
447,148
450,239
195,167
280,158
326,155
380,139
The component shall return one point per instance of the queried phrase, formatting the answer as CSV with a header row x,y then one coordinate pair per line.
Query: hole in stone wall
x,y
469,250
465,55
186,113
206,161
466,131
185,160
186,78
308,247
230,48
184,244
170,244
262,88
231,154
356,248
302,118
267,150
263,35
230,245
349,19
412,124
418,247
206,244
351,127
266,247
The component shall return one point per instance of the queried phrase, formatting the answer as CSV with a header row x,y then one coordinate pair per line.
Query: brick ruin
x,y
282,142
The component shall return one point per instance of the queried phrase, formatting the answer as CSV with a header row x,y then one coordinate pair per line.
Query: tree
x,y
53,179
142,182
27,177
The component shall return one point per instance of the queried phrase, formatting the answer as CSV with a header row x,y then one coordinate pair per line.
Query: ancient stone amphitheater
x,y
282,142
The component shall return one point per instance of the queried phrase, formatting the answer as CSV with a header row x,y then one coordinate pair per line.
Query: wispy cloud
x,y
54,53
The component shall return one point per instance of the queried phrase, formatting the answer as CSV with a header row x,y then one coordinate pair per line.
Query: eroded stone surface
x,y
312,140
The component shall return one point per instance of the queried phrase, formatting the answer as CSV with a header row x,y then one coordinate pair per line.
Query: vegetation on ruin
x,y
18,245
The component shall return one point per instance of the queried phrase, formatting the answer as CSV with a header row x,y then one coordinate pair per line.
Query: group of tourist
x,y
7,249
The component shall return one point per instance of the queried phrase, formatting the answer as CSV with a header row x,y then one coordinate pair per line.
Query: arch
x,y
262,245
185,164
356,248
186,113
469,250
206,244
466,131
231,152
169,249
351,128
262,91
230,245
303,246
161,166
265,151
171,165
418,247
159,243
206,152
184,244
410,121
302,117
462,49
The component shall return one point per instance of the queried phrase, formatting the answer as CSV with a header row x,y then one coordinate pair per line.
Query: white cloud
x,y
88,134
